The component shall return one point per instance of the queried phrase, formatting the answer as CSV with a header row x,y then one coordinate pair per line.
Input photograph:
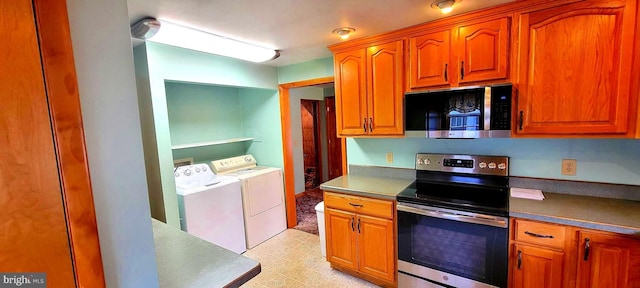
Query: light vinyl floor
x,y
293,259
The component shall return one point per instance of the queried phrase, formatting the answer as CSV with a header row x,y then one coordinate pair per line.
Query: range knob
x,y
204,168
502,166
197,169
492,165
177,174
420,162
187,172
482,165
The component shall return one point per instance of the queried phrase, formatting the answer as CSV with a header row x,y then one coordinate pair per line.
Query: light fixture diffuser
x,y
343,32
194,39
445,6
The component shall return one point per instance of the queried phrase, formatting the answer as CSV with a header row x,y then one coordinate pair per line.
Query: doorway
x,y
311,149
334,144
289,145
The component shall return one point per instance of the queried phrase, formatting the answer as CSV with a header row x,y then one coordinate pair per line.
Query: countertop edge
x,y
245,277
576,223
358,192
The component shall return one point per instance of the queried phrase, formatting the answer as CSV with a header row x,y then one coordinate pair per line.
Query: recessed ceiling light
x,y
343,32
445,6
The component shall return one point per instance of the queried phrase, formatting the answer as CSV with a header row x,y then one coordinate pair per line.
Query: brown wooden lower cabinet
x,y
360,235
552,255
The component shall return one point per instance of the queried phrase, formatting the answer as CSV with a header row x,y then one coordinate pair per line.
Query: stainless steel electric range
x,y
453,222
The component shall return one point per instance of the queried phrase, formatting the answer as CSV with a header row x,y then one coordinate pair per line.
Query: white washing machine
x,y
262,196
210,206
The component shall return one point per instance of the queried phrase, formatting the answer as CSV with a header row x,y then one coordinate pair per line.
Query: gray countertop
x,y
187,261
377,187
613,215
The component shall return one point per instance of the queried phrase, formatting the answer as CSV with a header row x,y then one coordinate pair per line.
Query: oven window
x,y
459,252
469,250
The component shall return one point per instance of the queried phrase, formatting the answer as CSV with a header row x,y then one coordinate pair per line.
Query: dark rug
x,y
306,211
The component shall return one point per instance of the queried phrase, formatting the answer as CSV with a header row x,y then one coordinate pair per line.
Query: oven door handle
x,y
470,218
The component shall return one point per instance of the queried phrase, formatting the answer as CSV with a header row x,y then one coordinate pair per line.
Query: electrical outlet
x,y
569,167
389,157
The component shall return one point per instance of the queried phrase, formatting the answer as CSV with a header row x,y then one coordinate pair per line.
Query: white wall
x,y
295,95
104,64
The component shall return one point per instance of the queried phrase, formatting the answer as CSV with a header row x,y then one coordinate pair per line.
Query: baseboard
x,y
301,194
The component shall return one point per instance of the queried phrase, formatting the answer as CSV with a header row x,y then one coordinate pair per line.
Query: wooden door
x,y
535,267
34,236
311,143
334,149
376,249
48,219
429,58
483,51
576,81
385,88
341,238
351,94
606,260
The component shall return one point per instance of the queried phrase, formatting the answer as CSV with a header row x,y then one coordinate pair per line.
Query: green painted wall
x,y
261,121
313,69
599,160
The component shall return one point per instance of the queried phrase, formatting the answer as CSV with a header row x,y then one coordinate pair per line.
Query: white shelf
x,y
210,143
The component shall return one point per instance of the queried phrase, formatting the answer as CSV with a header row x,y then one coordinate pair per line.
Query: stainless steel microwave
x,y
465,112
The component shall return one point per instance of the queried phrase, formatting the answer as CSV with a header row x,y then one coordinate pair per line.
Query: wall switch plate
x,y
569,167
389,157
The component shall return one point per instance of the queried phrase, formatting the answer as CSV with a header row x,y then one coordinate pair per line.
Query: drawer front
x,y
540,233
360,205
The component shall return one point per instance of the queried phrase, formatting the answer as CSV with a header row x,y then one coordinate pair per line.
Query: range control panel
x,y
233,163
469,164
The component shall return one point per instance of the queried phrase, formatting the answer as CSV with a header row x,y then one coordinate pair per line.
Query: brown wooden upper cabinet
x,y
369,90
461,55
576,70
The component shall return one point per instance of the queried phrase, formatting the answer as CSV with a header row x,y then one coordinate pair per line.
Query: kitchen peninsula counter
x,y
187,261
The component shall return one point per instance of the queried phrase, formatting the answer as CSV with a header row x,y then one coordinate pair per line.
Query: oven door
x,y
454,248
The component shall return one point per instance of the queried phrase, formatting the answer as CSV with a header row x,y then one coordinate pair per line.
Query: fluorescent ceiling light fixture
x,y
189,38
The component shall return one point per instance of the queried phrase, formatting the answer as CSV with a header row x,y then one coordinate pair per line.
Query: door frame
x,y
287,145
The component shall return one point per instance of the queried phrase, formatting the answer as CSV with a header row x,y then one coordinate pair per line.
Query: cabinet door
x,y
376,249
34,224
535,267
608,261
385,88
576,80
351,97
483,51
341,238
429,57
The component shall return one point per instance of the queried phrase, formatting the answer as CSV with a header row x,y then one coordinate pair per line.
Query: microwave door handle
x,y
495,221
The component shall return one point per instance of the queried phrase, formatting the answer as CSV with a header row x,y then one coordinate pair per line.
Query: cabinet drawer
x,y
360,205
540,233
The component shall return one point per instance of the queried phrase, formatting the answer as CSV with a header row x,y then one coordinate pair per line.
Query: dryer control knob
x,y
247,159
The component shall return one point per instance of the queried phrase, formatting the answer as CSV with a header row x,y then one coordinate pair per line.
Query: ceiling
x,y
301,30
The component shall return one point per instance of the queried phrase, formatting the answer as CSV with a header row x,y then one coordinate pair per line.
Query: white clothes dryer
x,y
210,206
262,196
